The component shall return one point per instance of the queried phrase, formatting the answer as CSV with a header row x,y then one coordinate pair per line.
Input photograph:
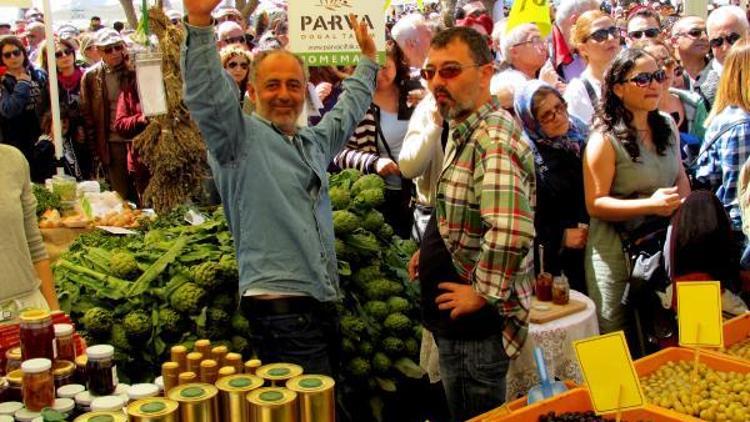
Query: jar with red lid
x,y
64,344
38,384
37,335
13,360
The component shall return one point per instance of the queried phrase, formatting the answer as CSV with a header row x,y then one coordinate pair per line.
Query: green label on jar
x,y
271,396
193,392
153,407
102,418
311,383
240,382
277,372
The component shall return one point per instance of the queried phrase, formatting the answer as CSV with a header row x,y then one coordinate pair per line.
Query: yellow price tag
x,y
530,11
699,314
609,373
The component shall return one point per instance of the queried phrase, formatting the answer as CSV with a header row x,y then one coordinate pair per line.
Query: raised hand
x,y
199,11
364,39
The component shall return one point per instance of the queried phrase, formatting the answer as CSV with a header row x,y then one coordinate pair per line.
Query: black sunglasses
x,y
644,79
67,52
694,33
648,33
601,35
679,71
449,71
235,40
243,65
110,49
719,41
16,53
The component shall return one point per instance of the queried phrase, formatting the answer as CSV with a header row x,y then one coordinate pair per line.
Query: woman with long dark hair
x,y
632,174
23,100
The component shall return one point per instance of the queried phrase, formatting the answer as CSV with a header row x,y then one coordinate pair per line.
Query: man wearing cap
x,y
230,33
230,14
100,87
33,15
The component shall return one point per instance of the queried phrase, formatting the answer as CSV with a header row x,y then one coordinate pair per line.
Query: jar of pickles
x,y
37,335
64,344
38,384
101,370
64,372
13,359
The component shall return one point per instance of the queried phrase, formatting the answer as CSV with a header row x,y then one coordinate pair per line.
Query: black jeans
x,y
309,337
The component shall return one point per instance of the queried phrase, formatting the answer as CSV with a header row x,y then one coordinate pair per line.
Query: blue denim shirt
x,y
274,188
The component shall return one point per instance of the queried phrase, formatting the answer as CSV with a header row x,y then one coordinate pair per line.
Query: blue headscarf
x,y
572,141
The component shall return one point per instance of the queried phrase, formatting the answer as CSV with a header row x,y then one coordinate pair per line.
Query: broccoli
x,y
240,324
363,243
366,348
98,321
386,231
170,321
228,267
409,246
352,326
368,199
348,346
206,275
344,222
382,288
339,197
381,363
398,304
240,345
373,221
119,339
397,322
137,324
412,346
364,275
217,324
123,265
369,181
377,309
188,298
393,346
359,367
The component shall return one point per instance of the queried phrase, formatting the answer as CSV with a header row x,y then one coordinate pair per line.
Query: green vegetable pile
x,y
45,199
169,284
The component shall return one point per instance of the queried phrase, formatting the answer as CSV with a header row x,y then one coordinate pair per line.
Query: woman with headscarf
x,y
557,140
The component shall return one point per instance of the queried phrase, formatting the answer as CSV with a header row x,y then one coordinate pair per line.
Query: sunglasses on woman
x,y
232,65
648,33
112,48
62,53
644,79
719,41
603,34
448,71
13,53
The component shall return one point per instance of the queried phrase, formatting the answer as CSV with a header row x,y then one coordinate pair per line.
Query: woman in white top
x,y
597,39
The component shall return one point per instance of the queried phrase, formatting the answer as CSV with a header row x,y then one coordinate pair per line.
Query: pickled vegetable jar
x,y
38,384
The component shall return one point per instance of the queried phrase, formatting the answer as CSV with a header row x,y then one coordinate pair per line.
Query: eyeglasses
x,y
603,34
679,71
719,41
62,53
235,40
111,48
449,71
533,40
644,79
550,116
175,21
648,33
243,65
694,33
14,53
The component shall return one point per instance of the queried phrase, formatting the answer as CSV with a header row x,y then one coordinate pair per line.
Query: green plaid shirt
x,y
485,209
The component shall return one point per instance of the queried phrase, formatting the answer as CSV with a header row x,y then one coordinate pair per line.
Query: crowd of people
x,y
617,144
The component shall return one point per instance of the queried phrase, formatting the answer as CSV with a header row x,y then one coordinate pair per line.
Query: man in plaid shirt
x,y
475,260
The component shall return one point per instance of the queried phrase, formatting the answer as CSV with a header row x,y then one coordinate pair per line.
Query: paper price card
x,y
699,314
609,373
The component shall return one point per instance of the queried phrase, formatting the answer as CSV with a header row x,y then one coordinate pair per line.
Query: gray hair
x,y
407,28
515,36
725,13
260,57
568,8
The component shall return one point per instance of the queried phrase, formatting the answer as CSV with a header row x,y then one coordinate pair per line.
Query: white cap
x,y
64,405
63,330
10,407
159,381
69,391
121,389
6,418
84,398
26,415
38,419
140,391
107,404
100,351
34,366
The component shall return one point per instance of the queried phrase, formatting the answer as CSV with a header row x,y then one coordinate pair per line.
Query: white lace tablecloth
x,y
554,337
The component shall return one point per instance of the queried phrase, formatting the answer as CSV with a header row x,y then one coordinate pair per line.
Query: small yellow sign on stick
x,y
530,11
609,373
699,314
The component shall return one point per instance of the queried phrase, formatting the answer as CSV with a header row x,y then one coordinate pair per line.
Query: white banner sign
x,y
321,34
